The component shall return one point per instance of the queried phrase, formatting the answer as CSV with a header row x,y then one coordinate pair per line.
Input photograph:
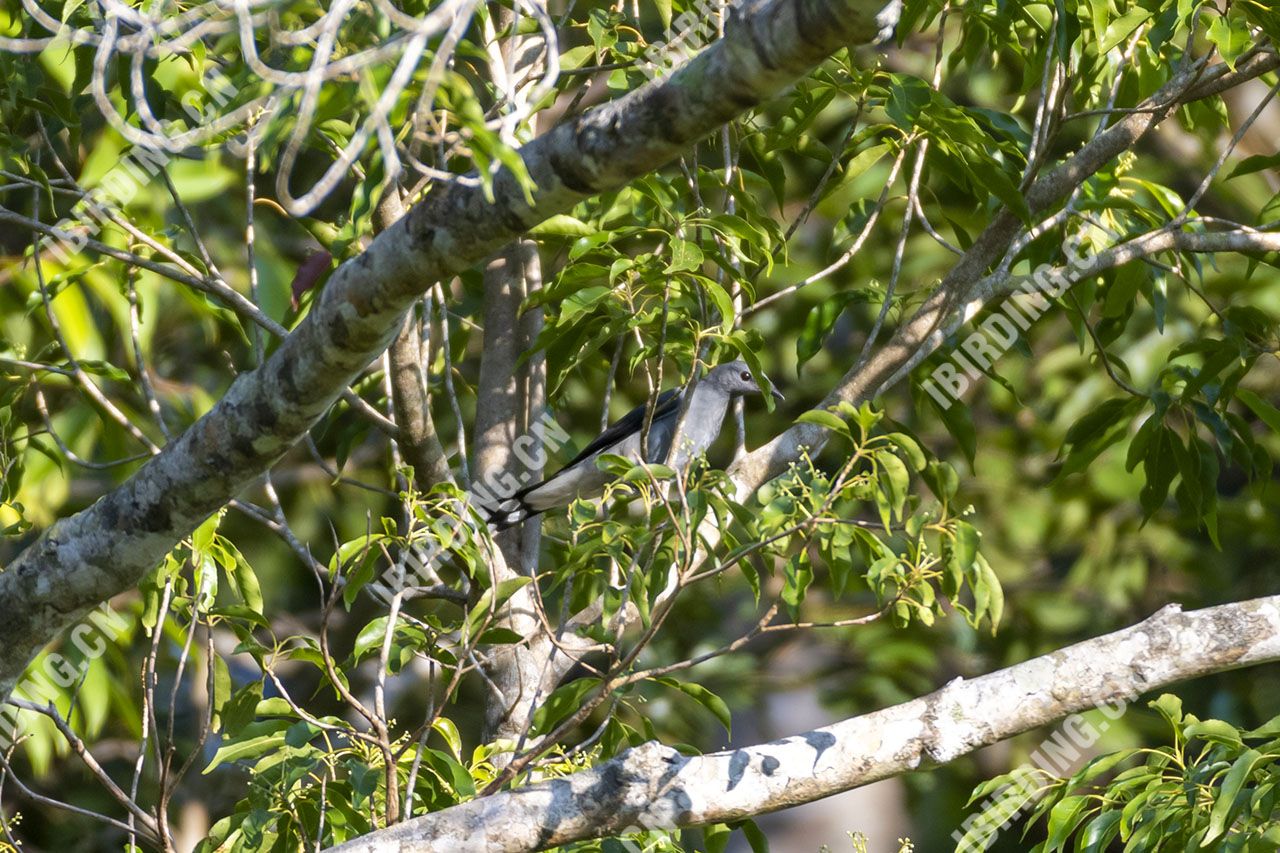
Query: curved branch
x,y
654,786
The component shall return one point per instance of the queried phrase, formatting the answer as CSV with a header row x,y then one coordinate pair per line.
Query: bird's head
x,y
735,378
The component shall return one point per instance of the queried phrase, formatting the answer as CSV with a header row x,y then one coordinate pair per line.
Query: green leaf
x,y
1100,17
561,225
563,701
221,689
911,448
360,547
1124,289
942,480
644,473
716,837
1098,833
1098,766
994,608
1168,706
1216,731
724,303
967,538
865,159
276,706
576,57
447,730
1064,817
491,601
1269,729
797,575
1123,27
1266,412
664,13
1256,163
897,479
824,419
245,581
1215,362
1103,427
602,29
756,839
703,697
685,257
451,771
1100,419
1160,466
256,739
1141,442
364,782
1231,37
1231,797
239,710
107,371
370,637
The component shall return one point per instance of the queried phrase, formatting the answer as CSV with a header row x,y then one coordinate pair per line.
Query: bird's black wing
x,y
633,421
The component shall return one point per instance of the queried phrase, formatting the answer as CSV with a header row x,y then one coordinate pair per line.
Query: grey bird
x,y
582,479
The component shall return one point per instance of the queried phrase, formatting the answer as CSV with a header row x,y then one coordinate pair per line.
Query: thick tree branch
x,y
522,674
85,559
1145,246
655,786
515,670
1002,283
500,394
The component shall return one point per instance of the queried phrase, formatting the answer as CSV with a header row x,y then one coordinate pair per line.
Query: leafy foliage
x,y
1214,787
1120,455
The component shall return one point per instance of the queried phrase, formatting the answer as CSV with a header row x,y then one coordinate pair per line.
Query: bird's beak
x,y
777,395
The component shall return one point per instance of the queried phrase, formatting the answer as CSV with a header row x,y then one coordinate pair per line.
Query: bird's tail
x,y
512,510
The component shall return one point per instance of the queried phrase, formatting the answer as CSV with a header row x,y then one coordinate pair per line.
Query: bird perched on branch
x,y
582,479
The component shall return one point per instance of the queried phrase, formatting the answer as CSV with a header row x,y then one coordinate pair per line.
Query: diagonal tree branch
x,y
655,786
85,559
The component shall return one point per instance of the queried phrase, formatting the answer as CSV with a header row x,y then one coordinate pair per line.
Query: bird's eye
x,y
746,376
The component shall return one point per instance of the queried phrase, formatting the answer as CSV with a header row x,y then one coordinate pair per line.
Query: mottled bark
x,y
535,398
85,559
655,786
500,410
515,670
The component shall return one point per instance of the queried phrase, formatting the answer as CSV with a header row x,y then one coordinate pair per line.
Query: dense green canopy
x,y
1014,267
